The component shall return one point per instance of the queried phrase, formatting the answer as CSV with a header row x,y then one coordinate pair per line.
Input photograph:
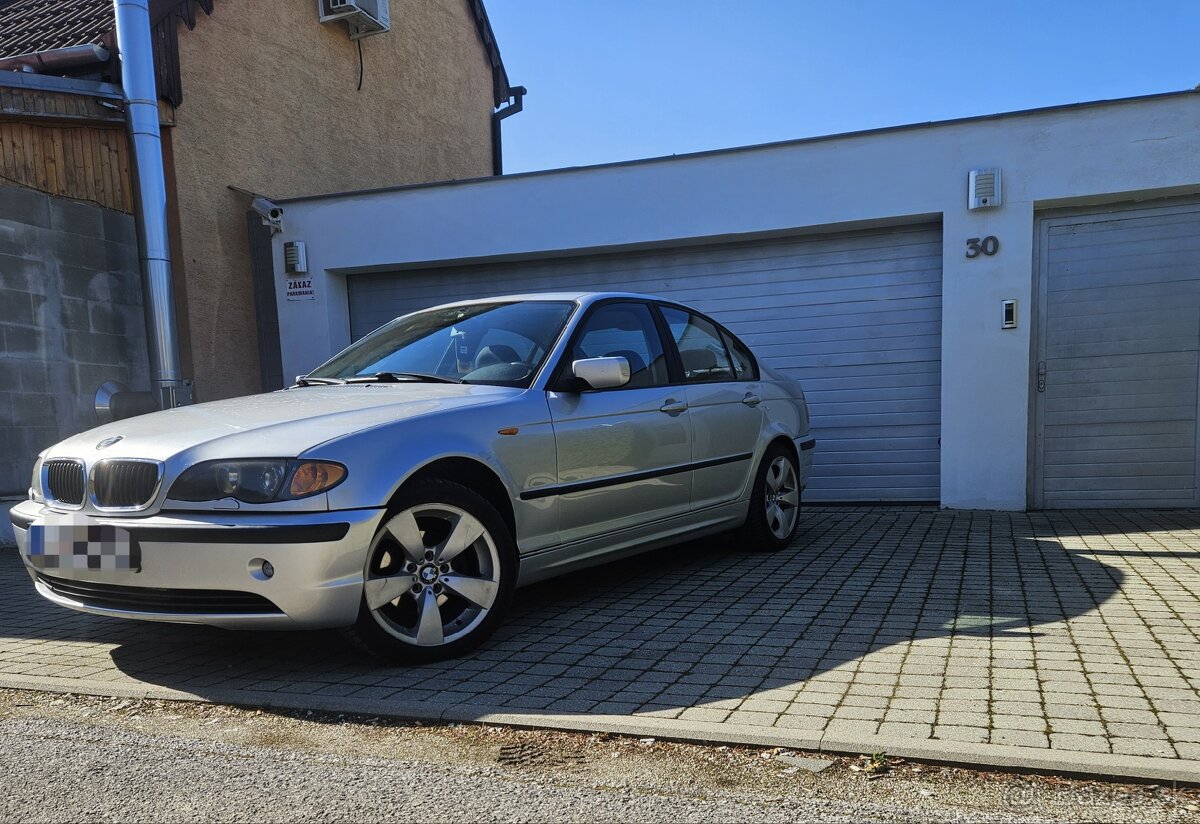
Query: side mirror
x,y
601,373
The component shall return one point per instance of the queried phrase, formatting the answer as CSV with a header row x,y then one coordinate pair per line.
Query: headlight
x,y
256,481
35,483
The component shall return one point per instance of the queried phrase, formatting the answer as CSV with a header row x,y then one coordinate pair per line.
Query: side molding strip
x,y
632,477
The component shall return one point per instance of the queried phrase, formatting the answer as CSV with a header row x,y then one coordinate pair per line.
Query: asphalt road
x,y
57,771
76,758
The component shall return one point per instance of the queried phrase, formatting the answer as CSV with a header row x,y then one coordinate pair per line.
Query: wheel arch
x,y
473,474
789,444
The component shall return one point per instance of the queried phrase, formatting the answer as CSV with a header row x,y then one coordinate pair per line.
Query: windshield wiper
x,y
307,381
401,377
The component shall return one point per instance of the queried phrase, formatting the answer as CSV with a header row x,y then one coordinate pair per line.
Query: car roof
x,y
583,298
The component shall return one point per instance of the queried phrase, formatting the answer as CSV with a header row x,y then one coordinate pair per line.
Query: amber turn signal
x,y
312,477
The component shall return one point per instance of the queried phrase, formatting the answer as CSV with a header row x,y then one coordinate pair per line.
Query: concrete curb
x,y
1094,765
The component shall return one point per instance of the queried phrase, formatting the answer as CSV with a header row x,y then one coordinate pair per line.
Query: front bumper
x,y
205,568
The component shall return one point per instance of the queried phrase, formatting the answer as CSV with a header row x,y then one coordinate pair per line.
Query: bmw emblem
x,y
107,442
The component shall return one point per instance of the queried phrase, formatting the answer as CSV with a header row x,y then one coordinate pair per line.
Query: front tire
x,y
440,574
774,514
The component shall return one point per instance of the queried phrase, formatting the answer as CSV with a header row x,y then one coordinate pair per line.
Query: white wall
x,y
1112,152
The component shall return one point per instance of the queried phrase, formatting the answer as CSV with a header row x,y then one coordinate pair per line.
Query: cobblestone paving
x,y
1077,632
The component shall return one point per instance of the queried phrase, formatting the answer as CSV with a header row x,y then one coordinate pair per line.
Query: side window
x,y
625,330
700,347
743,361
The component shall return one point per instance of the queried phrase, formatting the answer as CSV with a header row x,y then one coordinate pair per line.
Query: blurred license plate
x,y
67,542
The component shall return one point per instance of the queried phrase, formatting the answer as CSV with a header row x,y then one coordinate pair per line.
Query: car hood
x,y
278,424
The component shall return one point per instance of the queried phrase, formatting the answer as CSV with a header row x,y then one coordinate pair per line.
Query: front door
x,y
623,454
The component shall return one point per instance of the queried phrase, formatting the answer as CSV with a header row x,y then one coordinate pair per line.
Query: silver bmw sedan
x,y
404,489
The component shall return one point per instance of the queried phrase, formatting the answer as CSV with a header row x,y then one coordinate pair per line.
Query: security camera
x,y
271,214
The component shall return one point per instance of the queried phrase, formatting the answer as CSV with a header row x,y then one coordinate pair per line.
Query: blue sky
x,y
621,79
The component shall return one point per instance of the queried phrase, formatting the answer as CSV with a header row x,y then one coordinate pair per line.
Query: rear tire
x,y
774,514
440,574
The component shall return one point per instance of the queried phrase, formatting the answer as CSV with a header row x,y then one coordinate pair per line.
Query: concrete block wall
x,y
70,318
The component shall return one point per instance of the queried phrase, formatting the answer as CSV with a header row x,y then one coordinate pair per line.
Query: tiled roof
x,y
28,26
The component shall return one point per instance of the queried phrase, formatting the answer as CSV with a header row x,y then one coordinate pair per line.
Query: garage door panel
x,y
857,349
840,360
844,274
1086,285
810,259
1110,368
1119,339
1135,382
1105,301
921,372
888,453
1127,317
855,317
1142,455
1121,416
840,469
1117,404
906,485
1157,498
1144,346
832,300
912,408
1176,485
1119,237
875,395
1110,429
866,313
840,438
1120,331
929,328
1181,468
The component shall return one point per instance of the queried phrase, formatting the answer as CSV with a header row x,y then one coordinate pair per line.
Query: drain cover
x,y
530,754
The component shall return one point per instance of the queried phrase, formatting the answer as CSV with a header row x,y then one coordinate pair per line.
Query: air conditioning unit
x,y
363,17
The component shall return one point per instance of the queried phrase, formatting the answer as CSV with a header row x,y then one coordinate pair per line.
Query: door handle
x,y
673,407
751,400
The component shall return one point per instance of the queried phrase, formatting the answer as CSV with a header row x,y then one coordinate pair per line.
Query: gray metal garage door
x,y
855,317
1118,345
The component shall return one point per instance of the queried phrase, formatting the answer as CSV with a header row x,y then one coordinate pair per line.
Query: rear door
x,y
725,410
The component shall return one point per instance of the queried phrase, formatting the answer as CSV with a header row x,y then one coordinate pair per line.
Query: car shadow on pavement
x,y
699,624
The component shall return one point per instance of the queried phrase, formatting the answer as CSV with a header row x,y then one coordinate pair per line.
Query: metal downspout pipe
x,y
150,194
516,98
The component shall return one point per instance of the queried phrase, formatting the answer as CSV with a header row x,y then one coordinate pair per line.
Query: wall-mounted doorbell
x,y
1008,314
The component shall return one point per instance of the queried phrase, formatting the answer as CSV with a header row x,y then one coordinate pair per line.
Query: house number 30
x,y
989,246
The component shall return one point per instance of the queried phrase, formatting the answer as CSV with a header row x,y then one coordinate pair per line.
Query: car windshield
x,y
493,343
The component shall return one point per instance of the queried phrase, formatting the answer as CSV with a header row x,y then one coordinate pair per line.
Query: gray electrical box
x,y
984,189
295,257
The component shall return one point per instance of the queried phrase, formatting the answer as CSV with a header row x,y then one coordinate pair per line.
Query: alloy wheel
x,y
433,574
782,498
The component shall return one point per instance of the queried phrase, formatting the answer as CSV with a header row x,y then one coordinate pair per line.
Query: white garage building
x,y
855,263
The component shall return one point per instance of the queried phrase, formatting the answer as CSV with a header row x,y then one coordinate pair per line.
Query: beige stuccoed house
x,y
264,97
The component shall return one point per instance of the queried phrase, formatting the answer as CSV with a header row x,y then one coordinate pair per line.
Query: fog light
x,y
261,569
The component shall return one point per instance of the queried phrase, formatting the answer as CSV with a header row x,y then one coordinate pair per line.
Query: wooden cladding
x,y
81,162
59,107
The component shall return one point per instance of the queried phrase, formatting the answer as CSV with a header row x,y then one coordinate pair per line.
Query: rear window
x,y
701,349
